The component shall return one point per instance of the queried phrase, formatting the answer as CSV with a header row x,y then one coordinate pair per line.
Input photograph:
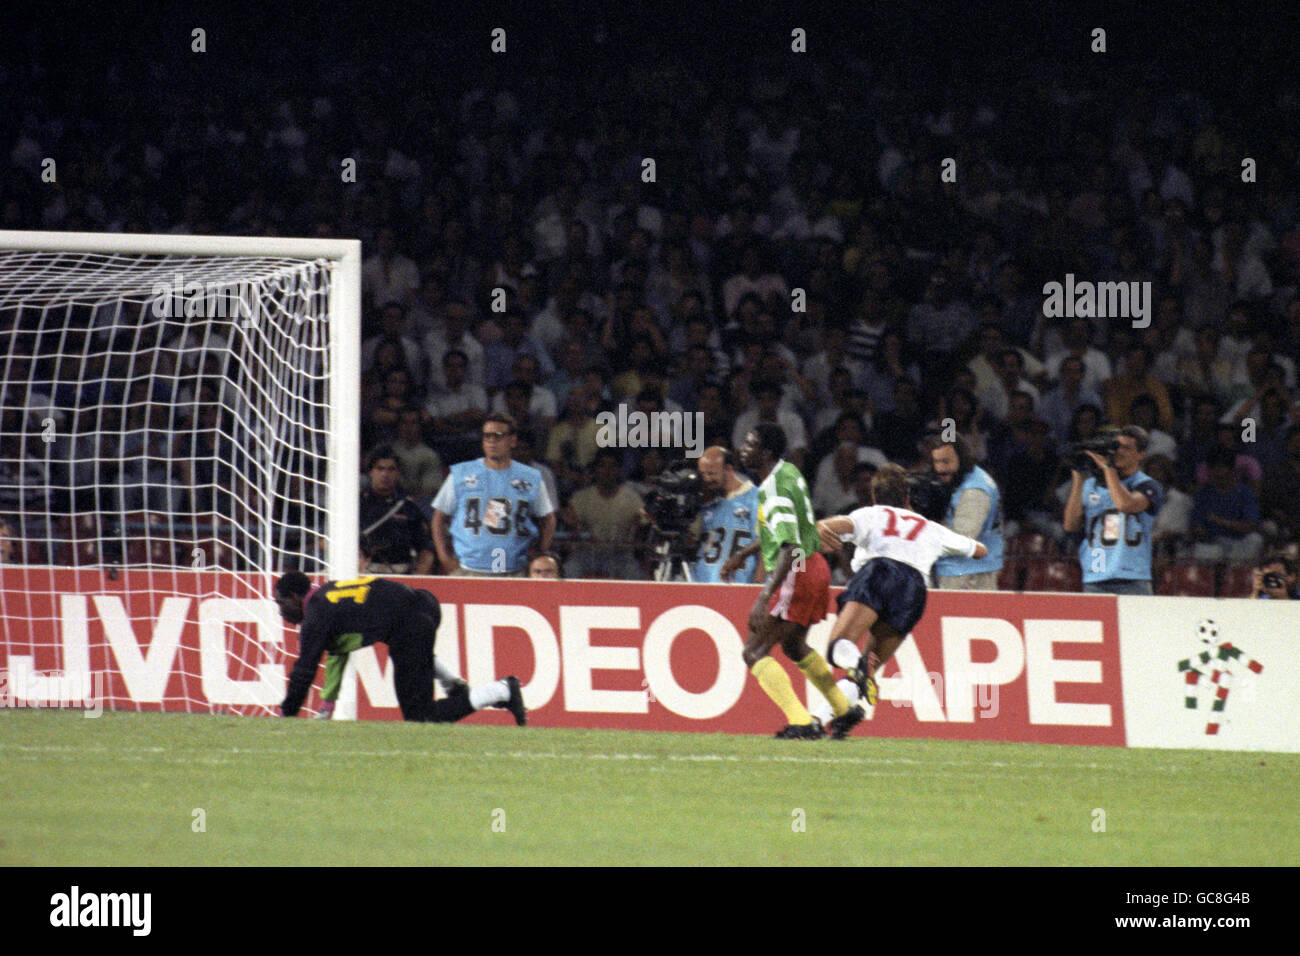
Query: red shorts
x,y
804,597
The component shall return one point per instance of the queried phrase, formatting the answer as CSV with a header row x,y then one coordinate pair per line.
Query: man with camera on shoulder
x,y
1114,503
1275,578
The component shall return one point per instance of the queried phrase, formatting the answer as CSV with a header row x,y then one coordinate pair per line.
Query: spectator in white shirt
x,y
1097,367
834,339
554,216
456,410
751,278
833,484
453,332
669,281
389,276
1144,412
985,365
1174,521
1240,266
996,398
772,144
548,326
1237,339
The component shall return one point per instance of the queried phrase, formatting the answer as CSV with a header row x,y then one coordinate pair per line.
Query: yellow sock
x,y
776,684
818,671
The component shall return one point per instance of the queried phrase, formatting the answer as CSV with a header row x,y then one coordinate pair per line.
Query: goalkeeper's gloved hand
x,y
326,710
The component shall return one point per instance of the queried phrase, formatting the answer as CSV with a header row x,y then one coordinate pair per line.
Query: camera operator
x,y
1275,578
671,510
1114,513
727,522
974,510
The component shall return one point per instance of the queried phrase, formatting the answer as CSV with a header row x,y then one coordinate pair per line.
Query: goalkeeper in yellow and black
x,y
339,617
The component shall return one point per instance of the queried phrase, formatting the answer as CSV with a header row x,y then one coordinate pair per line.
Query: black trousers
x,y
411,651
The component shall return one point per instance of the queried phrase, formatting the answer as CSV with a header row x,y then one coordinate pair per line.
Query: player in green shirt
x,y
796,594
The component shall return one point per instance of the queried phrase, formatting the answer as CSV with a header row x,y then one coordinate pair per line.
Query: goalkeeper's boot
x,y
516,702
813,731
841,726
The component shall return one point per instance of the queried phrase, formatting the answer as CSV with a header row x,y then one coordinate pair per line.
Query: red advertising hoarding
x,y
618,655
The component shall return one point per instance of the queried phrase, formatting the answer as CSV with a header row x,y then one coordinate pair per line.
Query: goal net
x,y
178,423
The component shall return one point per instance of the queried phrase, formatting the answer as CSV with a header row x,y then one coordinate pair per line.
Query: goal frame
x,y
343,451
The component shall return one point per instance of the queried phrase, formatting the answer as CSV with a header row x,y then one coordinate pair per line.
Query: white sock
x,y
824,712
850,690
490,695
843,653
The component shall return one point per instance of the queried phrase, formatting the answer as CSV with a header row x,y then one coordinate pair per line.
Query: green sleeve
x,y
334,665
339,649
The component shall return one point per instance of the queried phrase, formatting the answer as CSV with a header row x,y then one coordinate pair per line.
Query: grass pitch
x,y
171,789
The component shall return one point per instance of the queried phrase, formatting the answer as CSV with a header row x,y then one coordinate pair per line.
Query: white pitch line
x,y
846,760
808,759
211,759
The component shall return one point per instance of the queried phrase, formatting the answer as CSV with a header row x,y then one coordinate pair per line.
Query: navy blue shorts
x,y
894,590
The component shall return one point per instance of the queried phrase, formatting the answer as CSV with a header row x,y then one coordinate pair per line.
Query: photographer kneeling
x,y
1115,507
1275,578
973,509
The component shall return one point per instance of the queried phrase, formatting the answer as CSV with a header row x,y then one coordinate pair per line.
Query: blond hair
x,y
889,486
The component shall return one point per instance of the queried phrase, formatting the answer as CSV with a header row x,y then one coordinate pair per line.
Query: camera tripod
x,y
670,563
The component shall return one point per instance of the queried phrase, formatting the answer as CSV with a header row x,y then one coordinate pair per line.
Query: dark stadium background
x,y
136,122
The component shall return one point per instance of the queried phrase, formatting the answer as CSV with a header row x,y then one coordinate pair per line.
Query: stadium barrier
x,y
1046,668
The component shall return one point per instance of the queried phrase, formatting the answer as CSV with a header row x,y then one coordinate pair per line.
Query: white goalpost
x,y
179,424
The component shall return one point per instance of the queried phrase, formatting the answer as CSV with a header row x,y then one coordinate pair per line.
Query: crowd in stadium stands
x,y
797,258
